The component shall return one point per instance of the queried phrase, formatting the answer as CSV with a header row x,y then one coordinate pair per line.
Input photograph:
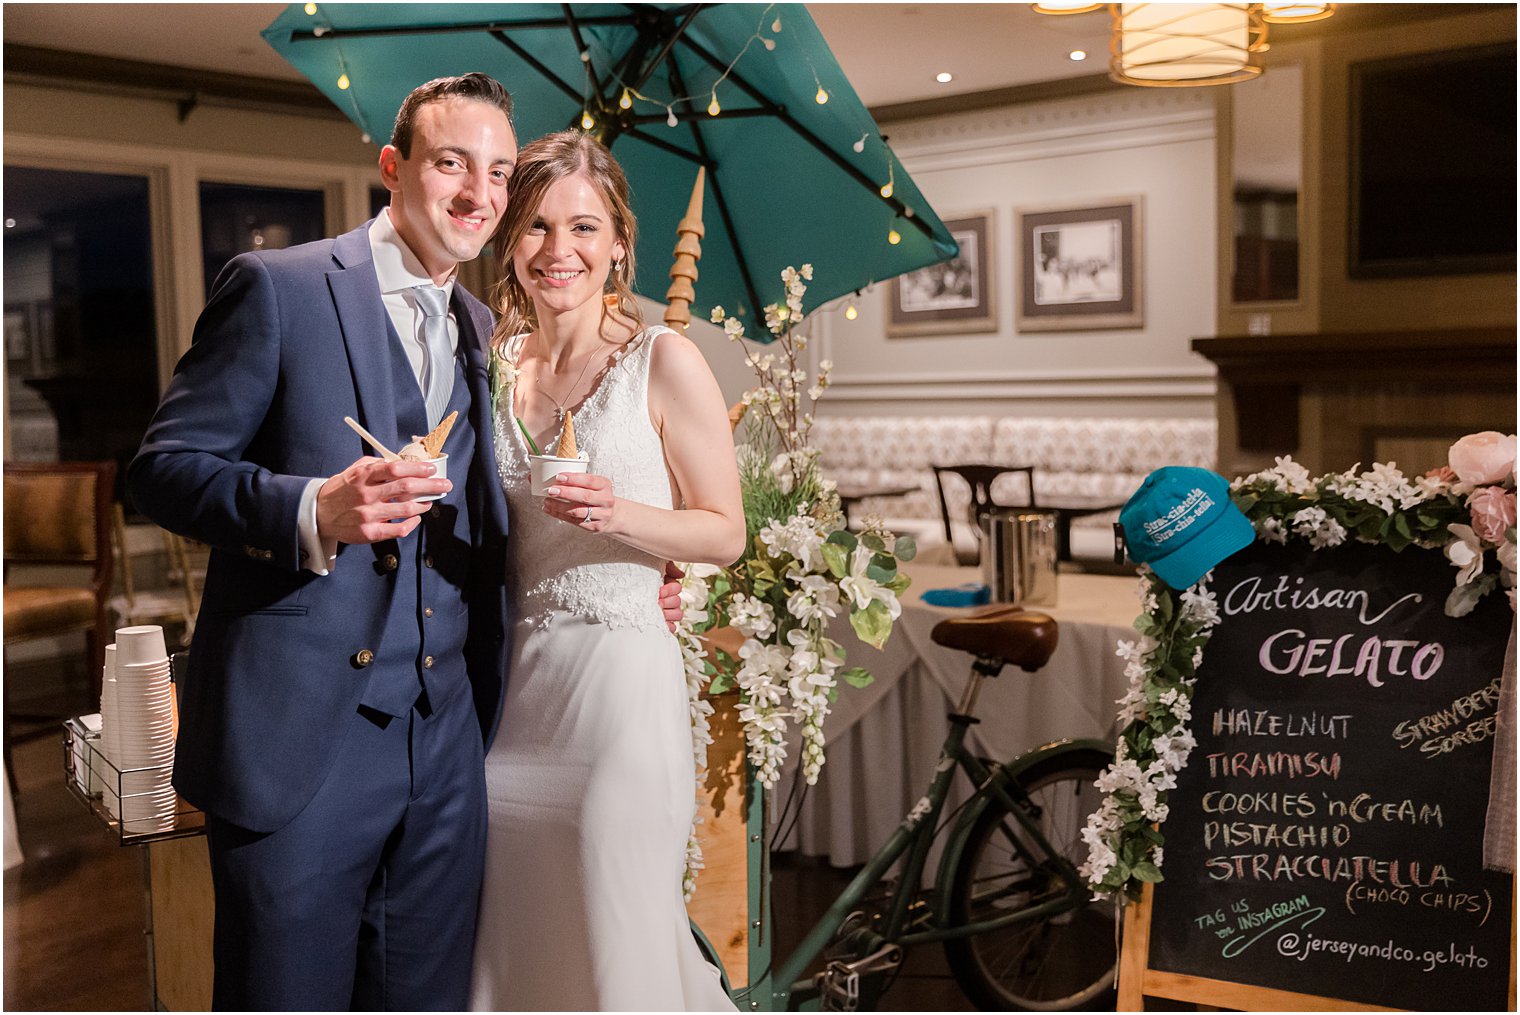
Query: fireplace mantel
x,y
1333,399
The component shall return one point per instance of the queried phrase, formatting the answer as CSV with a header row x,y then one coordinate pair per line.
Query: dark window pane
x,y
379,198
236,219
81,342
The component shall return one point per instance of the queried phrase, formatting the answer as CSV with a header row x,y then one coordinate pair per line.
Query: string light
x,y
860,145
343,82
822,97
713,109
586,120
894,237
776,25
671,121
311,8
626,102
886,188
850,313
770,44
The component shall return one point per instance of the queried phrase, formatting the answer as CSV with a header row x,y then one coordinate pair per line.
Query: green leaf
x,y
900,584
872,624
873,542
841,537
836,557
1147,872
720,683
857,676
880,575
906,548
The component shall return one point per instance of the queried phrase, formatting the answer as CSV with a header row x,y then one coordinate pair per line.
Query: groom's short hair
x,y
474,85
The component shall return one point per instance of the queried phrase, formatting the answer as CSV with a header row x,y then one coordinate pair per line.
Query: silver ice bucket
x,y
1019,555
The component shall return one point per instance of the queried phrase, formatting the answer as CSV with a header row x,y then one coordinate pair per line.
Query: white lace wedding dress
x,y
590,780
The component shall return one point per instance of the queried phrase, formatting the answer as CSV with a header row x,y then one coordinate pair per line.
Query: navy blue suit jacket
x,y
290,342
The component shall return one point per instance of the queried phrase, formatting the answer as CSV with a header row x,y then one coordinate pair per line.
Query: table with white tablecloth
x,y
884,740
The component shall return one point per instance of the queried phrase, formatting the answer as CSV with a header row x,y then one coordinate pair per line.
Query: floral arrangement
x,y
766,616
1466,508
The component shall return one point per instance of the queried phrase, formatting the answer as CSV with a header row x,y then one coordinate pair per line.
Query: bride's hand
x,y
582,499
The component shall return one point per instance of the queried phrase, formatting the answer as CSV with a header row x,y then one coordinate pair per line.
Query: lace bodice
x,y
556,567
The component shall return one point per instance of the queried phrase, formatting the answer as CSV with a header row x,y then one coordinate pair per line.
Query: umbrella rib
x,y
678,86
307,35
647,72
581,50
666,146
533,61
808,136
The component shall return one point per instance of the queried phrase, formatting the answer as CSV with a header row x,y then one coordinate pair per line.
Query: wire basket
x,y
128,801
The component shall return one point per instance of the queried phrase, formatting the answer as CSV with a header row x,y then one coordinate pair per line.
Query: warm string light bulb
x,y
822,97
886,189
850,313
860,145
586,121
670,119
894,237
343,82
713,109
626,102
311,8
776,25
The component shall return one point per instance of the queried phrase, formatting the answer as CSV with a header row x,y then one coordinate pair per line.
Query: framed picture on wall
x,y
1079,267
952,297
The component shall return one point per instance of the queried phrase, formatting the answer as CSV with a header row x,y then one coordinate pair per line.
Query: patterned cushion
x,y
1097,457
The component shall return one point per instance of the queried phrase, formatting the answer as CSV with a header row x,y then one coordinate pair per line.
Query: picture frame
x,y
1079,267
953,297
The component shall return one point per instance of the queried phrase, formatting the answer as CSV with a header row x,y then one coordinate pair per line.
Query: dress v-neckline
x,y
596,390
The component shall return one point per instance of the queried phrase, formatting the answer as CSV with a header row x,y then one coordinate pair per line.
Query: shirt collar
x,y
396,267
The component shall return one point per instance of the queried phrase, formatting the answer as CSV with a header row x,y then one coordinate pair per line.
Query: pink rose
x,y
1480,458
1493,512
1442,474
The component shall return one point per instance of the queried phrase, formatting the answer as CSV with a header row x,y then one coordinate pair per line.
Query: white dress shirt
x,y
398,270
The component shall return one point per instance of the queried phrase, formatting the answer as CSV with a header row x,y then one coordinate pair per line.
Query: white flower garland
x,y
1125,848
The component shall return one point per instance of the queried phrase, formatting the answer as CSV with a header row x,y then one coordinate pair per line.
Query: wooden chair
x,y
57,516
980,478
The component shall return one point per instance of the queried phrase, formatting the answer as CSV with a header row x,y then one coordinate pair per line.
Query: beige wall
x,y
1155,144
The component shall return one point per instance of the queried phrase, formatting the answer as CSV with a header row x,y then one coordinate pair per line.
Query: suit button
x,y
427,560
427,611
427,662
363,657
391,563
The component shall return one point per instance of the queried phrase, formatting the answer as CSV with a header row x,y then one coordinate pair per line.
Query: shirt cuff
x,y
318,555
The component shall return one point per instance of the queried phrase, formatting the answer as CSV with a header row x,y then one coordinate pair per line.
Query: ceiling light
x,y
1294,13
1078,54
1065,7
1172,45
10,223
944,77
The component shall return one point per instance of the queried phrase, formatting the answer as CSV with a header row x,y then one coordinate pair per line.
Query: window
x,y
236,219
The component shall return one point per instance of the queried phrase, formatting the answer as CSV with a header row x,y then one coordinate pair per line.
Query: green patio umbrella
x,y
670,87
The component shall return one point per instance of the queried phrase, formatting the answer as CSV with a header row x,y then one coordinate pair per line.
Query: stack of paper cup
x,y
144,739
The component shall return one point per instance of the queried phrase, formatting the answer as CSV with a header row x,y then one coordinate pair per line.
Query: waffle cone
x,y
567,448
433,442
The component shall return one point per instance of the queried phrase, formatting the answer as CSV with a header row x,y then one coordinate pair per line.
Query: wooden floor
x,y
75,912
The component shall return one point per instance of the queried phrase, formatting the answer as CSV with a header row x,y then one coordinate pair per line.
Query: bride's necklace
x,y
560,406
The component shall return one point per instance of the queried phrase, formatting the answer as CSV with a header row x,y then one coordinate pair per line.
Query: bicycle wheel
x,y
1052,963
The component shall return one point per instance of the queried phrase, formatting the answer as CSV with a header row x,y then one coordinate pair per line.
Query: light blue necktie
x,y
438,365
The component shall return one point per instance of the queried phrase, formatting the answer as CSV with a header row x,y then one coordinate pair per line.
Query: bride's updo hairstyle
x,y
540,165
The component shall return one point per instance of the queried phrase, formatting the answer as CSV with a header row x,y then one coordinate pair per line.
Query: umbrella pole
x,y
688,252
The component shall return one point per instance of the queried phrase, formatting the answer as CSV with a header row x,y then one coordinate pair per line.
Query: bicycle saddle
x,y
1010,633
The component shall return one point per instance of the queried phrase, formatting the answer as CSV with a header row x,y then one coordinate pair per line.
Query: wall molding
x,y
1138,383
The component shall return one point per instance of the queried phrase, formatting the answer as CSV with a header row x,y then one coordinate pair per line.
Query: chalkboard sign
x,y
1326,835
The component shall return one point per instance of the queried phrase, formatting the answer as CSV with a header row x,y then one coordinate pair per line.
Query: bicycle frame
x,y
914,837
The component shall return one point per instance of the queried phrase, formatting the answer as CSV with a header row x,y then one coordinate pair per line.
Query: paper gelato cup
x,y
441,464
546,467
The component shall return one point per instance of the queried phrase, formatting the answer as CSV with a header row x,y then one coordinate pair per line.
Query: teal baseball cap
x,y
1181,522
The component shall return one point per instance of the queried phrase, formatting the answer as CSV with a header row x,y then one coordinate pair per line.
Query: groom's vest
x,y
422,647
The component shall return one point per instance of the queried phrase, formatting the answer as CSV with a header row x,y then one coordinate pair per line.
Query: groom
x,y
349,656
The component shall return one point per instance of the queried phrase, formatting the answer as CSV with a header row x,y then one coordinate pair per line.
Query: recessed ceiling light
x,y
1078,54
944,77
10,223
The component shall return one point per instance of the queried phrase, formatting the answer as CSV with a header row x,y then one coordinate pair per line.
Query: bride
x,y
590,780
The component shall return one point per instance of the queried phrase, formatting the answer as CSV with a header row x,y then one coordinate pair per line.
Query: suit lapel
x,y
474,335
366,335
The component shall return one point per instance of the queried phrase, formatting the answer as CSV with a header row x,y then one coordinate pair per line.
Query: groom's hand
x,y
670,595
373,500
